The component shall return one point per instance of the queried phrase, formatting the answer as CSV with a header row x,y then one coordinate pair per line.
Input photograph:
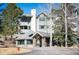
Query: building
x,y
27,27
33,30
43,23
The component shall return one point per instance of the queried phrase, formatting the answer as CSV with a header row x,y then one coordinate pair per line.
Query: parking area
x,y
53,51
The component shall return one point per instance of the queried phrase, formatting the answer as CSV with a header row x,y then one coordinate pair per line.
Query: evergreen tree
x,y
10,18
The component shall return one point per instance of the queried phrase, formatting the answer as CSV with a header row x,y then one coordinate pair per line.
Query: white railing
x,y
24,23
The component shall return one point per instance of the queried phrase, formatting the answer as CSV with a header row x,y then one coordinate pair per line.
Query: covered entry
x,y
41,39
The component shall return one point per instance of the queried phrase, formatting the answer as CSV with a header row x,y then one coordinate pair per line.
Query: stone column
x,y
43,42
25,43
34,42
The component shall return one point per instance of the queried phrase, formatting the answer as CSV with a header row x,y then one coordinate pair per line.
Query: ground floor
x,y
37,40
24,43
43,42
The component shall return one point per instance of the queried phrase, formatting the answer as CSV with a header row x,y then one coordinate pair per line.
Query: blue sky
x,y
26,7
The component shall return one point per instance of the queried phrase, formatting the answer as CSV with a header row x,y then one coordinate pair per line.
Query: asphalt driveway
x,y
53,51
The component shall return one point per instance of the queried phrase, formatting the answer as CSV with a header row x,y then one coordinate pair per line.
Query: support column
x,y
43,42
25,43
34,42
16,43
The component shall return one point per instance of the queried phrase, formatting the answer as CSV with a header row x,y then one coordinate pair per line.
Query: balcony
x,y
24,23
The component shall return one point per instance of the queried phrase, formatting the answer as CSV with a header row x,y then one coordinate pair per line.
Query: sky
x,y
26,7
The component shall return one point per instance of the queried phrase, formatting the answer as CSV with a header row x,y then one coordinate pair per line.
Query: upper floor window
x,y
24,27
21,27
41,26
25,19
42,18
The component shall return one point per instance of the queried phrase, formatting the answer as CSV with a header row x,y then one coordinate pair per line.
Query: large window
x,y
20,42
42,18
29,42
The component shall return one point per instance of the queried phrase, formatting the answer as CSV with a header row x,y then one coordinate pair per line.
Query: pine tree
x,y
10,18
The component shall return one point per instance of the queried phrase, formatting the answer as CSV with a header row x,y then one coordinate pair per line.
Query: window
x,y
20,42
21,27
42,26
42,19
25,27
29,42
25,19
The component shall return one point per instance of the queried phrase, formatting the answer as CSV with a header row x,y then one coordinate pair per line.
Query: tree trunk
x,y
5,37
11,37
61,44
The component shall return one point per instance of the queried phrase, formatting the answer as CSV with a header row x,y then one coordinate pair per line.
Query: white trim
x,y
37,33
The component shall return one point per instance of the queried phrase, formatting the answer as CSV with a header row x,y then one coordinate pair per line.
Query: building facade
x,y
34,30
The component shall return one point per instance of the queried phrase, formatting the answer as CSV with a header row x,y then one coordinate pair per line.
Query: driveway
x,y
53,51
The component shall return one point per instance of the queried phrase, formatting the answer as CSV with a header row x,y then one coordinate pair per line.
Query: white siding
x,y
45,23
33,20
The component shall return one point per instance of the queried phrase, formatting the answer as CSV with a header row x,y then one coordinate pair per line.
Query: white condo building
x,y
34,30
40,23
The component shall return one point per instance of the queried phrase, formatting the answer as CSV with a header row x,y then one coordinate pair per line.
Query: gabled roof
x,y
43,34
22,36
43,14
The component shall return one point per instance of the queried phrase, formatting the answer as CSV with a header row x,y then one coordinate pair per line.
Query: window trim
x,y
20,42
40,27
42,18
31,41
